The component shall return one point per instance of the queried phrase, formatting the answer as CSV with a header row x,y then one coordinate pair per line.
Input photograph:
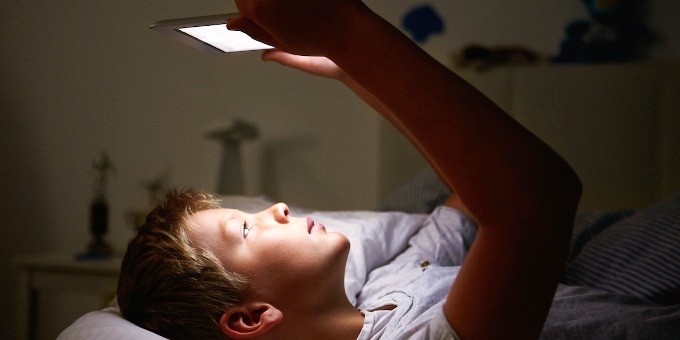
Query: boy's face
x,y
280,254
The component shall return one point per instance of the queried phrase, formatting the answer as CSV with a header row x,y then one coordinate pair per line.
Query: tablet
x,y
209,33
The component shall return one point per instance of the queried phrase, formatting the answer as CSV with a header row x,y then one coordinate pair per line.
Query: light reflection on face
x,y
277,252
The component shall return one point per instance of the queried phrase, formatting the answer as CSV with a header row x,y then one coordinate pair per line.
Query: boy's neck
x,y
340,323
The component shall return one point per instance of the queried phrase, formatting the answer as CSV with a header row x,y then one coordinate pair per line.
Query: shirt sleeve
x,y
444,239
440,328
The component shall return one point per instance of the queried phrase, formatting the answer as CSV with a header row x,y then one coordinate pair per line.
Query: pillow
x,y
638,254
418,196
105,324
589,224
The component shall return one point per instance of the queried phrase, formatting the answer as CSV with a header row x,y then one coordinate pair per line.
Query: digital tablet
x,y
209,33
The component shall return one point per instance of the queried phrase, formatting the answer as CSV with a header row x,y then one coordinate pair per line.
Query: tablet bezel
x,y
171,28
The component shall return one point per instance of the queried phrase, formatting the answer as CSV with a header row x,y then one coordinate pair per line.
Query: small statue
x,y
230,180
99,209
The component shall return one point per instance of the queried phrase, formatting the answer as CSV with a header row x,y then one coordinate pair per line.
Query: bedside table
x,y
60,273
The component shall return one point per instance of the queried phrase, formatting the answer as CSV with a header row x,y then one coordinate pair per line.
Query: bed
x,y
622,280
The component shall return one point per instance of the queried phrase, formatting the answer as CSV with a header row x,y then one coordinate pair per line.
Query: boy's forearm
x,y
470,141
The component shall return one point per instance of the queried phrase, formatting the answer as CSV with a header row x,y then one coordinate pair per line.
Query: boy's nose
x,y
281,212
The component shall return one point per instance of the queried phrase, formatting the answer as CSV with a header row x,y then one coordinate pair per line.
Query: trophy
x,y
99,209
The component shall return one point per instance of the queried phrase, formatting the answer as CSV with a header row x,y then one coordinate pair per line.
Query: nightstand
x,y
59,273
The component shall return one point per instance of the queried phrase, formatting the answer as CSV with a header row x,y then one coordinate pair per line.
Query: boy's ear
x,y
250,320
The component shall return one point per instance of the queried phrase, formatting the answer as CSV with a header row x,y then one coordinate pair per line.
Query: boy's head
x,y
170,287
198,271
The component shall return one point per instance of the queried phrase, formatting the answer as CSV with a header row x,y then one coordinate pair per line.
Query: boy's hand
x,y
303,27
318,66
324,67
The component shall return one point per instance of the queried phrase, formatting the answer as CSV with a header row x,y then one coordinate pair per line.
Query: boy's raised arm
x,y
521,193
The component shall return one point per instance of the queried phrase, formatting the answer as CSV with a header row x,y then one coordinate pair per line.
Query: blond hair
x,y
169,287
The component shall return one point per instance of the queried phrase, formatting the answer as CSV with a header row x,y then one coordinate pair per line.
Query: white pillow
x,y
105,324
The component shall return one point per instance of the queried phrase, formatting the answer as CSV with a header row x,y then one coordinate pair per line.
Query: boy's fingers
x,y
250,28
270,55
280,57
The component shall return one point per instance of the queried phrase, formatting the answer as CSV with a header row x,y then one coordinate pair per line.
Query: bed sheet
x,y
587,313
376,237
634,252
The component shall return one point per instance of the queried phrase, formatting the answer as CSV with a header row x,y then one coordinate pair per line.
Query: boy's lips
x,y
313,227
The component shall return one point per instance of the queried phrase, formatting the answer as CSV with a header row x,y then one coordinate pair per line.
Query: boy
x,y
279,276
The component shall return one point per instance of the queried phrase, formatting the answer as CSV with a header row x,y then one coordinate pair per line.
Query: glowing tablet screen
x,y
223,39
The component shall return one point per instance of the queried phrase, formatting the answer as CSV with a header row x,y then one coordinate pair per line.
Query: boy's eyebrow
x,y
224,223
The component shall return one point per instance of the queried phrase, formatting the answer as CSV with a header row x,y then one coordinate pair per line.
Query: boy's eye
x,y
245,229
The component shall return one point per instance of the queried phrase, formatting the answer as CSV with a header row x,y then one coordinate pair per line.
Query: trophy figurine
x,y
99,209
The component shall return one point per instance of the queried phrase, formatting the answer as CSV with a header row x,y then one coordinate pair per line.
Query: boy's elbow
x,y
571,188
562,199
555,198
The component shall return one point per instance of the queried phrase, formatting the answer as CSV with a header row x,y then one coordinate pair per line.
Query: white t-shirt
x,y
403,299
